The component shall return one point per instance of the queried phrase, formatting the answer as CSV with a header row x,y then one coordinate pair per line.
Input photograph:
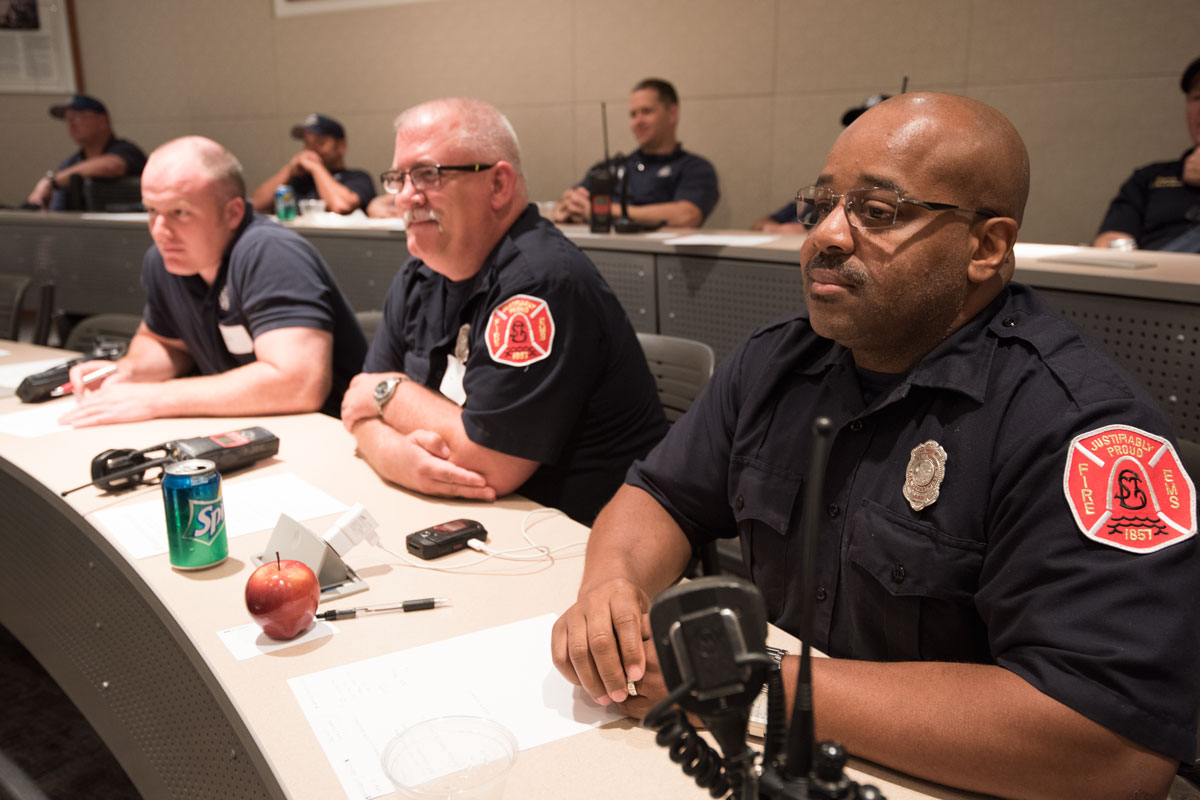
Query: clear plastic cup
x,y
312,207
451,758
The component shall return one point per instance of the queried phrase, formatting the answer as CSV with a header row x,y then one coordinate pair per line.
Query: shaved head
x,y
969,146
210,159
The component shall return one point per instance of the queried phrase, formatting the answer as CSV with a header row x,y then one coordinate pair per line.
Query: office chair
x,y
113,195
369,322
12,295
681,369
101,327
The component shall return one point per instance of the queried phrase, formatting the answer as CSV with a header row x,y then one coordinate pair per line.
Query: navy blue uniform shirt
x,y
128,152
996,570
585,410
355,180
270,278
1155,206
679,175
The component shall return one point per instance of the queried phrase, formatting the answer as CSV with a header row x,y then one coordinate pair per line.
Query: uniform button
x,y
832,510
821,595
898,573
1009,322
856,425
738,503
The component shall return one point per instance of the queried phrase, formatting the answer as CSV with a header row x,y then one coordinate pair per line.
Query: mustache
x,y
840,266
421,214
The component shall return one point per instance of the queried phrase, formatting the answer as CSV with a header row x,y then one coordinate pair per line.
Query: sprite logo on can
x,y
207,520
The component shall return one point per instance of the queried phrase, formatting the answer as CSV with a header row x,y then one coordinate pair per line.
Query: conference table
x,y
143,650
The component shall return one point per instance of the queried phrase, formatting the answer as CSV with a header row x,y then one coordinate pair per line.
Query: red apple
x,y
282,597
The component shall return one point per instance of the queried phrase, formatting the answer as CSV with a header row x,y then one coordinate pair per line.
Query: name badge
x,y
237,339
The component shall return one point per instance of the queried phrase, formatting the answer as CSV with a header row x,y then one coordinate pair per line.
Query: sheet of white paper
x,y
250,505
4,352
248,641
356,709
37,420
12,374
721,240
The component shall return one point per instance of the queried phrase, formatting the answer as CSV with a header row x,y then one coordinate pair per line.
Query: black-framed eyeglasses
x,y
865,208
424,176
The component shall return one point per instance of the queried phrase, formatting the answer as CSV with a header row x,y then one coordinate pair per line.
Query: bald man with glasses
x,y
504,362
1006,532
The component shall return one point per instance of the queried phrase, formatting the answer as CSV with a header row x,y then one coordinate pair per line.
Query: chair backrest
x,y
12,295
369,322
102,327
113,194
681,369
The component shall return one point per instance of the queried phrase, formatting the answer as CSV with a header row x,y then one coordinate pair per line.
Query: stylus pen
x,y
423,604
94,375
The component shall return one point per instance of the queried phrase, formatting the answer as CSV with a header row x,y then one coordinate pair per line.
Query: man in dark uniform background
x,y
1002,614
235,297
1158,208
101,154
503,362
665,182
319,170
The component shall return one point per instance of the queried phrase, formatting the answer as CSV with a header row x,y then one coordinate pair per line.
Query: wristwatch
x,y
385,389
50,173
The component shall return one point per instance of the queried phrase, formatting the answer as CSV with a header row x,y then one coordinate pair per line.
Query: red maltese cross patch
x,y
520,331
1127,488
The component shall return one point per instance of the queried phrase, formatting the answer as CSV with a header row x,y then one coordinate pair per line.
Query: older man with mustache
x,y
504,362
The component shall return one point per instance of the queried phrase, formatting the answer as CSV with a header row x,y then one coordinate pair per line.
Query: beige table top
x,y
618,759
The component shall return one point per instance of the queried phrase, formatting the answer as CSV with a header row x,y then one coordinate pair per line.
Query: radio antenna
x,y
604,127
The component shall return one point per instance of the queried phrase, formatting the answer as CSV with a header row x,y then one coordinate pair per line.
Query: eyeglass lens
x,y
865,208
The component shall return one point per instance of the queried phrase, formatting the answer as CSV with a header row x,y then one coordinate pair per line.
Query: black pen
x,y
423,604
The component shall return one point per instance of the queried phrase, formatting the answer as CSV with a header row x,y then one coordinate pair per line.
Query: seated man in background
x,y
503,362
1000,615
101,154
666,183
1158,208
233,296
319,171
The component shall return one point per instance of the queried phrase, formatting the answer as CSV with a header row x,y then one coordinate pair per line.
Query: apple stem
x,y
278,566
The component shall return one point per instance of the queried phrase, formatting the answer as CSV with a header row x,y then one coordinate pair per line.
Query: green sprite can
x,y
195,514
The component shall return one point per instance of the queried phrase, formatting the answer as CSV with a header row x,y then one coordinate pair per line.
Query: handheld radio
x,y
117,470
601,182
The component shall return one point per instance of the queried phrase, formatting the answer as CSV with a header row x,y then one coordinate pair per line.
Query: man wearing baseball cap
x,y
319,170
1158,208
100,155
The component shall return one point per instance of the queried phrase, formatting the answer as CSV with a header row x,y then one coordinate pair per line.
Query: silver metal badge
x,y
462,347
223,298
923,476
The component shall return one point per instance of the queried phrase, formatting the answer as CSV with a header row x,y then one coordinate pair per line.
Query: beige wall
x,y
1091,85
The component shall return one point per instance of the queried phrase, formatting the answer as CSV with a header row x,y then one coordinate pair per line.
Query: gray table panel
x,y
364,267
104,637
631,276
719,301
1157,341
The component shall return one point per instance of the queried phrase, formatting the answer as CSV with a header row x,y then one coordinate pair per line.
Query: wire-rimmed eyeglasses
x,y
424,176
865,208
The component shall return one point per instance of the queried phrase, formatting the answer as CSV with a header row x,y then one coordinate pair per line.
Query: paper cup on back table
x,y
451,758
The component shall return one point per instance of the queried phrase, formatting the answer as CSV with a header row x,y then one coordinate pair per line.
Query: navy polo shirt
x,y
128,152
270,278
355,180
994,571
679,175
1155,206
584,405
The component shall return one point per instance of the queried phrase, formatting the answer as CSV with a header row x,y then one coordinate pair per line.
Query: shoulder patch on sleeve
x,y
520,331
1128,489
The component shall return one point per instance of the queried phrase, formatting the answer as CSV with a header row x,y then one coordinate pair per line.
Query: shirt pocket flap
x,y
913,558
761,494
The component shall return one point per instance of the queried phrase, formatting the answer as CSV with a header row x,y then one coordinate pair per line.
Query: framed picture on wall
x,y
37,51
291,8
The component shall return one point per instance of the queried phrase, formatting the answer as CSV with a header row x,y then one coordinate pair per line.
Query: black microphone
x,y
624,224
